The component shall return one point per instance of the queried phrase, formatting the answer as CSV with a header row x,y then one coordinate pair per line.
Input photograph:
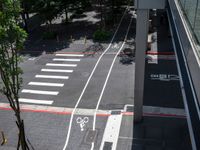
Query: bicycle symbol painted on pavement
x,y
115,46
82,122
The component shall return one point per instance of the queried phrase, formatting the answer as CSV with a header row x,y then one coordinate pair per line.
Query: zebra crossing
x,y
53,75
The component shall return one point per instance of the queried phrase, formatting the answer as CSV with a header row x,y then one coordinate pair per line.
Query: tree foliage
x,y
12,38
48,9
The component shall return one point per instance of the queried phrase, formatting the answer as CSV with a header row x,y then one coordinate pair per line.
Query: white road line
x,y
61,65
102,92
70,55
52,77
111,132
40,92
108,75
56,70
92,146
34,101
46,84
60,59
83,91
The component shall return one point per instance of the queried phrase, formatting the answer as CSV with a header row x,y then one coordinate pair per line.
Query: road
x,y
76,101
94,84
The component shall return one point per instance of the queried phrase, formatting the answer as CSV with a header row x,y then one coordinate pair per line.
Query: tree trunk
x,y
66,14
113,18
23,14
25,24
101,10
22,137
27,15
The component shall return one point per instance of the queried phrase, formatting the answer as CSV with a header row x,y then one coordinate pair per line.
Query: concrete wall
x,y
150,4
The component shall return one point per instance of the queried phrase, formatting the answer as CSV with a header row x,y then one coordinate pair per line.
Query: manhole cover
x,y
90,136
107,146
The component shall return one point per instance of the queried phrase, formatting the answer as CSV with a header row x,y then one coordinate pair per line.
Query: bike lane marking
x,y
102,92
83,91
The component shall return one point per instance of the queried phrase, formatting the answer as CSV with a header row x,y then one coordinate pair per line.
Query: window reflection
x,y
192,12
197,22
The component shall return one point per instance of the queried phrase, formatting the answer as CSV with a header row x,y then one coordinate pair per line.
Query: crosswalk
x,y
61,65
53,75
61,59
56,70
35,101
46,84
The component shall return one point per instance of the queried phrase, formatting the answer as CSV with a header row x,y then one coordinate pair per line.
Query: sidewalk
x,y
161,132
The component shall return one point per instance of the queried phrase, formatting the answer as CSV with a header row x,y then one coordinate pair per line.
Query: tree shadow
x,y
93,49
70,36
66,35
161,133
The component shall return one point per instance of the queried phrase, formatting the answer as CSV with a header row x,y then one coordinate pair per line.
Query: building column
x,y
142,28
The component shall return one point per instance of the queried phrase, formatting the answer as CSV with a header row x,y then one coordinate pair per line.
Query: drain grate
x,y
115,112
107,146
129,109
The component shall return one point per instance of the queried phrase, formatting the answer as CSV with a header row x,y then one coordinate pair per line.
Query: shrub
x,y
101,35
49,35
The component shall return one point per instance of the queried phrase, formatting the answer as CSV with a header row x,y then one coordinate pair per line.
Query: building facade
x,y
184,23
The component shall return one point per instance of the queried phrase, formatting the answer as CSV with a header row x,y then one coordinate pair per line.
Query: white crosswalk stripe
x,y
52,77
46,84
40,92
70,55
34,101
53,67
56,70
61,65
61,59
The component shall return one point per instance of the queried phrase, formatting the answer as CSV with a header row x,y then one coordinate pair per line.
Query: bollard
x,y
71,38
85,40
57,38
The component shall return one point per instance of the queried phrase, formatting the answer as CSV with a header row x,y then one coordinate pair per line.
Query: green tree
x,y
12,38
48,9
26,6
101,4
77,6
65,5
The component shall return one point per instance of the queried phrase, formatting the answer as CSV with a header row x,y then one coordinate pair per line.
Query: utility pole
x,y
142,28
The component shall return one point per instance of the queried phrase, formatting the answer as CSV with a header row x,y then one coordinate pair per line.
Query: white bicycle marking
x,y
82,122
164,77
115,46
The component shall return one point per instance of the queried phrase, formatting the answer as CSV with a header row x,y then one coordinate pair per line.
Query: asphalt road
x,y
75,80
69,81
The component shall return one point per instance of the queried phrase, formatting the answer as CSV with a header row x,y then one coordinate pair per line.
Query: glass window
x,y
190,10
182,3
197,23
